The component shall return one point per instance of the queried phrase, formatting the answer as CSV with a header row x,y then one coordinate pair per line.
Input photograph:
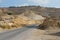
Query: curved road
x,y
13,34
26,33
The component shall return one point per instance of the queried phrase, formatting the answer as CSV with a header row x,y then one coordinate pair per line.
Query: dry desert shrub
x,y
5,26
19,22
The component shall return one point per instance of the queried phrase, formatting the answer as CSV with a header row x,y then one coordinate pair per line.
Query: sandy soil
x,y
37,34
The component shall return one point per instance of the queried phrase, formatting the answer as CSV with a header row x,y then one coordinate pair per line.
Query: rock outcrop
x,y
50,23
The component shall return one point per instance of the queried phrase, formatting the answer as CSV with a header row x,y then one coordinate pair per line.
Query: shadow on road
x,y
55,34
32,26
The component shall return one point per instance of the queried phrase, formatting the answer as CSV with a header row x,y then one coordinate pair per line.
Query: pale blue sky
x,y
46,3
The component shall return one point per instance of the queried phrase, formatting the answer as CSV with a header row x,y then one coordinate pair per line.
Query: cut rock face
x,y
32,15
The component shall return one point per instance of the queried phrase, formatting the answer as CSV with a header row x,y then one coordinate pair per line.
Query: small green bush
x,y
10,13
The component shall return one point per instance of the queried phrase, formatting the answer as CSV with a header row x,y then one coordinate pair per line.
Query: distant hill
x,y
44,11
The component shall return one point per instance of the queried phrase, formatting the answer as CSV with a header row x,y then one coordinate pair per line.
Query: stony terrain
x,y
48,20
15,21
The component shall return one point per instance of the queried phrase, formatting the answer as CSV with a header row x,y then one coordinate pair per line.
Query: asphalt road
x,y
14,34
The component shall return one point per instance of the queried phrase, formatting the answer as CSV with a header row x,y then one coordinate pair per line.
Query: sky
x,y
44,3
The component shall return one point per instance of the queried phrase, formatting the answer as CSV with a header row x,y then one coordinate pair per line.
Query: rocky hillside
x,y
8,21
21,16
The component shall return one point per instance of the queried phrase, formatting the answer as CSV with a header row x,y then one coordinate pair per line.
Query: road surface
x,y
27,33
9,35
